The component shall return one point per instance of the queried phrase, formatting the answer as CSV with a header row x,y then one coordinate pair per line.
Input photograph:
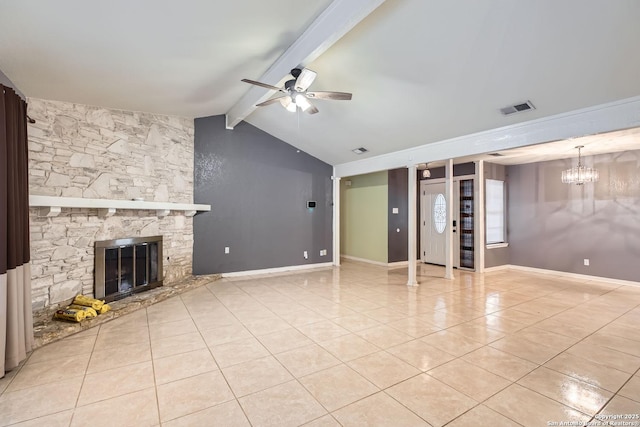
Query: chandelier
x,y
579,174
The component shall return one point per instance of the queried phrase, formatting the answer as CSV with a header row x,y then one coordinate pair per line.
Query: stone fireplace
x,y
127,266
97,164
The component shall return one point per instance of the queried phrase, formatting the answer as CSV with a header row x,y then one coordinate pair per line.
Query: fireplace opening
x,y
126,266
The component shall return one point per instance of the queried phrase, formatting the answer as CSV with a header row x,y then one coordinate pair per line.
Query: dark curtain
x,y
16,321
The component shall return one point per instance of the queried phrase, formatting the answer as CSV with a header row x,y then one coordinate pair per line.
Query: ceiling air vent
x,y
524,106
360,150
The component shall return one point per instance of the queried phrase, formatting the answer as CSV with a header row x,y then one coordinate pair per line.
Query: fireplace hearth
x,y
126,266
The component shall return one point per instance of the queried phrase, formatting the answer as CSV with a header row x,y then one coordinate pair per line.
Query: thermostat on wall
x,y
311,204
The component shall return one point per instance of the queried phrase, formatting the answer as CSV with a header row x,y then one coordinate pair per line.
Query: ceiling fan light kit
x,y
287,103
302,102
296,94
292,107
303,79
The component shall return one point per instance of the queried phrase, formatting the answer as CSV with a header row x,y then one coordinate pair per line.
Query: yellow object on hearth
x,y
70,314
96,304
104,309
88,311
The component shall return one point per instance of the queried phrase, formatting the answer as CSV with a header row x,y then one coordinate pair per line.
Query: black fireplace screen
x,y
125,266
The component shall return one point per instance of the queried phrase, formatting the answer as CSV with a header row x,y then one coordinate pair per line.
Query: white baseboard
x,y
369,261
565,274
497,268
277,269
398,264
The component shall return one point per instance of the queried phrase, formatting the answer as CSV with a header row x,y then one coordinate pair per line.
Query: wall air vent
x,y
517,108
360,150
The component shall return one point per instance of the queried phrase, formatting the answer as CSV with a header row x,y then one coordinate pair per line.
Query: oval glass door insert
x,y
440,213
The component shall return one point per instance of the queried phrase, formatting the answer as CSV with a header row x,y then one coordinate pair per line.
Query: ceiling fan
x,y
296,94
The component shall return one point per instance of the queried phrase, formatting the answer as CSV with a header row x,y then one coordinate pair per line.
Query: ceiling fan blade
x,y
271,101
305,79
264,85
336,96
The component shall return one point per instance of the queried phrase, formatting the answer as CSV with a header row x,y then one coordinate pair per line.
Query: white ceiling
x,y
172,57
420,71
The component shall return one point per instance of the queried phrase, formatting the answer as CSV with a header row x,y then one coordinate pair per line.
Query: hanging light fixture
x,y
426,173
579,174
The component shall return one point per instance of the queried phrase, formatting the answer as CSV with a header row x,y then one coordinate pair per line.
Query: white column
x,y
412,228
479,216
448,273
336,219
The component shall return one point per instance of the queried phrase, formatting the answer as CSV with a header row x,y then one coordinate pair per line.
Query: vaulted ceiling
x,y
420,71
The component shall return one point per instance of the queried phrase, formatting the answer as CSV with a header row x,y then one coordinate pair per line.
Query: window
x,y
495,207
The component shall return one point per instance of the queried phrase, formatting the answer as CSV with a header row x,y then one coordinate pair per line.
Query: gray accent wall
x,y
556,226
397,241
258,187
496,256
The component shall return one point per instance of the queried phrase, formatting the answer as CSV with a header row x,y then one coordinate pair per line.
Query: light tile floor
x,y
351,346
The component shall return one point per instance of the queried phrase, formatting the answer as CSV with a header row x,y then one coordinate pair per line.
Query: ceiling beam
x,y
616,115
333,23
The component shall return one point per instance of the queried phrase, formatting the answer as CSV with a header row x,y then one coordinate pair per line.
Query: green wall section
x,y
363,216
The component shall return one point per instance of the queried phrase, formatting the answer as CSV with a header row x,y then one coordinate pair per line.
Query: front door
x,y
434,223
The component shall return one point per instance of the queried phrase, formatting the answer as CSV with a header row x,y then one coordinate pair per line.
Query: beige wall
x,y
363,216
91,152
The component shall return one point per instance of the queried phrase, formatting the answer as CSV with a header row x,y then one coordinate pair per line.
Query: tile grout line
x,y
385,324
194,375
573,345
153,368
294,378
216,362
615,394
319,290
84,377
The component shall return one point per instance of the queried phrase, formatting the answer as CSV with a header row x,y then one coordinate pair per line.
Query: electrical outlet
x,y
305,254
586,261
226,249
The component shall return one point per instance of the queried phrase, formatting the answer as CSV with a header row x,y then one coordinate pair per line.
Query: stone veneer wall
x,y
91,152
